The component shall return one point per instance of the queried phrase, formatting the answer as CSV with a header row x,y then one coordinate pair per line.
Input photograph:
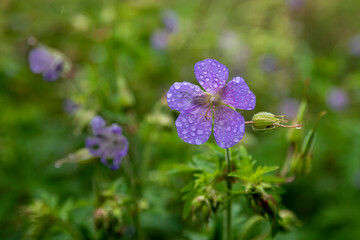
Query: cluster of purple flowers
x,y
108,143
44,62
198,109
160,37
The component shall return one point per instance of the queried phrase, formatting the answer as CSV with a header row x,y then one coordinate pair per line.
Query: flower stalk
x,y
228,229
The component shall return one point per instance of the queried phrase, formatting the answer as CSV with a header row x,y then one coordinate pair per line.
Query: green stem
x,y
134,190
228,205
73,232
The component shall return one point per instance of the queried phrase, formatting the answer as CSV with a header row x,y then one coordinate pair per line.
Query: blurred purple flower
x,y
268,63
42,61
108,143
69,106
198,108
296,4
289,107
337,98
354,45
170,20
159,39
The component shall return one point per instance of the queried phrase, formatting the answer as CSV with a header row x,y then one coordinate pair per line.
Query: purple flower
x,y
268,63
354,46
108,143
289,107
296,4
170,20
337,99
69,106
42,61
160,39
198,108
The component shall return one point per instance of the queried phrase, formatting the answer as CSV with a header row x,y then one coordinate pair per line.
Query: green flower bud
x,y
265,122
288,220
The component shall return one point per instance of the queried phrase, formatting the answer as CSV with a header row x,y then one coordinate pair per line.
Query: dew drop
x,y
228,129
205,72
169,95
193,128
236,139
198,141
215,85
178,123
192,134
184,131
207,79
298,127
201,82
199,132
177,85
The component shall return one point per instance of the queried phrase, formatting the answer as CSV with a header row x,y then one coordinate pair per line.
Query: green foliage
x,y
117,73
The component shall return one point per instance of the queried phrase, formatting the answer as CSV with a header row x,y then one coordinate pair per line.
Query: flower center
x,y
215,100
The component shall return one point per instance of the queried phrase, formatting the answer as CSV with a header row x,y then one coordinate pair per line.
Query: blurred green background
x,y
124,61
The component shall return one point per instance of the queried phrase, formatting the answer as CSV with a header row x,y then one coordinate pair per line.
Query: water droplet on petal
x,y
178,123
236,139
169,95
193,128
177,85
198,141
184,131
192,134
199,132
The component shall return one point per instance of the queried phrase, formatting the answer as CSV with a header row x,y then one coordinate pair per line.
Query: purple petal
x,y
98,124
194,126
94,146
211,75
238,95
181,95
51,74
113,164
229,126
40,60
114,128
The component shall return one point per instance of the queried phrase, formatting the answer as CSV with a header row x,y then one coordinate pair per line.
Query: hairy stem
x,y
227,224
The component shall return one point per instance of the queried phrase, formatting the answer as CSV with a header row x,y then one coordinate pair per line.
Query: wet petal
x,y
40,60
211,75
181,95
238,95
229,126
194,126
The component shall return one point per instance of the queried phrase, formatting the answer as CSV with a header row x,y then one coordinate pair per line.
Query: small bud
x,y
265,122
288,220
